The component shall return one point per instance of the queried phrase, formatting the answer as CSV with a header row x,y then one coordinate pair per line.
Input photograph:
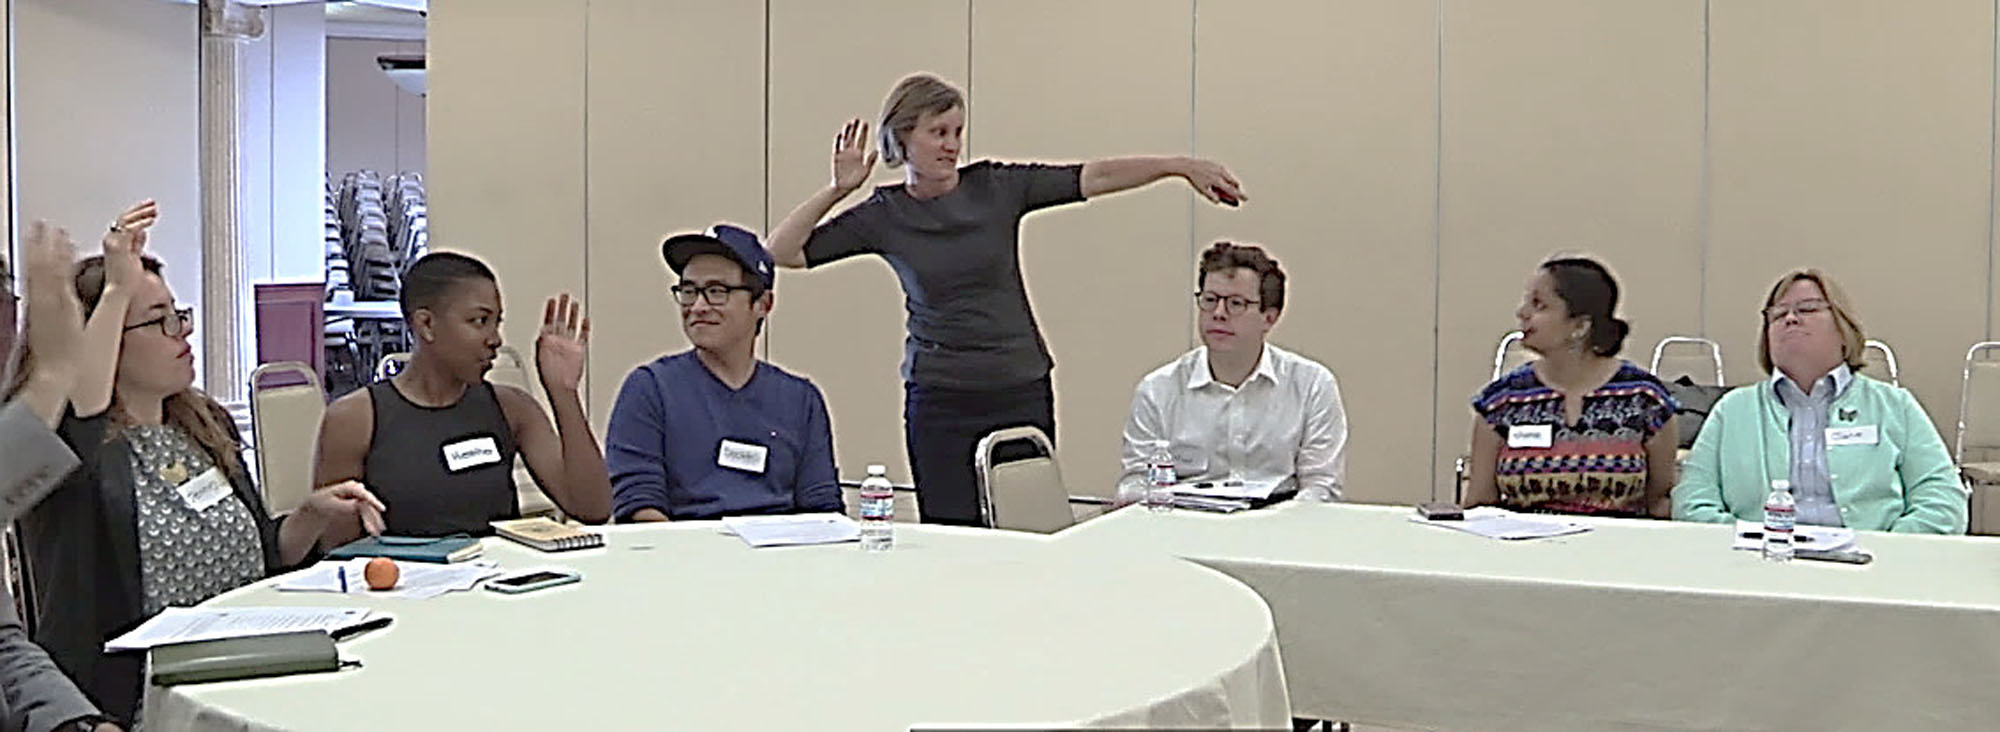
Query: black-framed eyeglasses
x,y
714,294
1805,309
1234,304
171,326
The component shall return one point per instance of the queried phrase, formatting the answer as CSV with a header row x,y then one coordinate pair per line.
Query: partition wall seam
x,y
1992,162
1194,136
7,138
767,128
771,326
968,75
1703,198
585,224
1437,250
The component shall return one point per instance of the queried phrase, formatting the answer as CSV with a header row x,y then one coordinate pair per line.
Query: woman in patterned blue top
x,y
1578,430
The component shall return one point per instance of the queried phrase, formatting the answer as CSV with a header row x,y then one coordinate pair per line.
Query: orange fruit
x,y
381,573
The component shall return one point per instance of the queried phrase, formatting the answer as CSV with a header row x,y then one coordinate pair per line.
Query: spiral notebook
x,y
547,535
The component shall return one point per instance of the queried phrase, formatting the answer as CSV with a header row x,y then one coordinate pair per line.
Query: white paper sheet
x,y
1750,535
1499,523
1212,505
1227,489
417,580
794,530
186,624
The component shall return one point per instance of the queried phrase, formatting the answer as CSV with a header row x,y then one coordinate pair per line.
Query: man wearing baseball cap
x,y
712,431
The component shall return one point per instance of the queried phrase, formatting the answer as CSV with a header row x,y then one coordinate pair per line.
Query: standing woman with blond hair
x,y
974,359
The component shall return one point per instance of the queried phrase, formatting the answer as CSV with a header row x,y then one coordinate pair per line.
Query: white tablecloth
x,y
1638,625
678,627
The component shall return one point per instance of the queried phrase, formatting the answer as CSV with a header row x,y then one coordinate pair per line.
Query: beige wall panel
x,y
1856,137
842,325
1063,80
506,178
1327,112
77,164
361,113
410,111
671,149
6,137
1568,126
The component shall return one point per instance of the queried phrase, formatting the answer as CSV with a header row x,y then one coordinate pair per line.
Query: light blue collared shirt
x,y
1812,482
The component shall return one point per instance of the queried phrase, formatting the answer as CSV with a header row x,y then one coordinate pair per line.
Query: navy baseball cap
x,y
734,242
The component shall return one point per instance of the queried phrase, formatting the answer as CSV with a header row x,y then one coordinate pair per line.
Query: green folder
x,y
436,550
250,657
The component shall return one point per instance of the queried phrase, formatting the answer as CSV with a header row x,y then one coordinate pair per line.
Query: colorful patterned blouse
x,y
1595,466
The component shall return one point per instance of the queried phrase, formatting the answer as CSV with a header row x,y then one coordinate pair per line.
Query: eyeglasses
x,y
1804,308
1235,305
714,294
171,326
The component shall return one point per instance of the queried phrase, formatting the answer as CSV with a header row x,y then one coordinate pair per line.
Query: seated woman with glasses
x,y
161,510
437,442
713,431
1578,430
1856,452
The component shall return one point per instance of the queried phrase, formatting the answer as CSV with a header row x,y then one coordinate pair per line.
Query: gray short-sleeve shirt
x,y
958,255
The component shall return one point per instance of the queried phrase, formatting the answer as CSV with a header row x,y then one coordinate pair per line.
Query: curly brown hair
x,y
1224,256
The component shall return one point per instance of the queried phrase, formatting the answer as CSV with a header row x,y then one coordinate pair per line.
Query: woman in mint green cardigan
x,y
1858,452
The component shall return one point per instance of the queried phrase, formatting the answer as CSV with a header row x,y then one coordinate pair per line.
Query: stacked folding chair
x,y
381,226
343,358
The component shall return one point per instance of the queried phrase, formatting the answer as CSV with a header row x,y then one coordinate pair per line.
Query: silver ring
x,y
116,229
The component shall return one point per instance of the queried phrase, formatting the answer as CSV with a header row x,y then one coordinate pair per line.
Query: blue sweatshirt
x,y
684,443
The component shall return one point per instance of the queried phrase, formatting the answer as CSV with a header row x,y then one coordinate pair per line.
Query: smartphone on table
x,y
531,580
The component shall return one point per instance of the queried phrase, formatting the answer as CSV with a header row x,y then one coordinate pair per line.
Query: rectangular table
x,y
1636,625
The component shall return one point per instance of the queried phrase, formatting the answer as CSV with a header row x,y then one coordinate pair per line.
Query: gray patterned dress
x,y
186,556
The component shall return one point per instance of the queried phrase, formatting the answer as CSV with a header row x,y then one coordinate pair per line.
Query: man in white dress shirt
x,y
1238,408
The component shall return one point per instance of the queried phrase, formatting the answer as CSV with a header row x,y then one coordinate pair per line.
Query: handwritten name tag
x,y
1863,435
1531,435
472,453
742,456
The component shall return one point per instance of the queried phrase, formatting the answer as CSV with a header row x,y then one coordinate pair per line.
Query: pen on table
x,y
1799,538
343,578
376,623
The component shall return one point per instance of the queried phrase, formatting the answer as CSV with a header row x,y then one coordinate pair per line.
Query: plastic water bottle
x,y
1160,478
1133,493
878,511
1780,517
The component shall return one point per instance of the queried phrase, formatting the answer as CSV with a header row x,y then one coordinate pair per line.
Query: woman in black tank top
x,y
437,442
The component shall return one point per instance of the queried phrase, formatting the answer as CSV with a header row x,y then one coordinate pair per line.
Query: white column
x,y
226,300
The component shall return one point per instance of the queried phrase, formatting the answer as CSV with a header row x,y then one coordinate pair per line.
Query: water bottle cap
x,y
1781,485
878,470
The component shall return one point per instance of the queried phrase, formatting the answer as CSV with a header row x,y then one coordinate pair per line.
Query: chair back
x,y
284,429
1020,483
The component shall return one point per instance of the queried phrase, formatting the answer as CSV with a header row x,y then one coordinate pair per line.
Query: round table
x,y
678,626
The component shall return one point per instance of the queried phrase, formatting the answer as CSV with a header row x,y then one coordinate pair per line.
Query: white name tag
x,y
204,490
1863,435
471,453
1531,435
742,456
